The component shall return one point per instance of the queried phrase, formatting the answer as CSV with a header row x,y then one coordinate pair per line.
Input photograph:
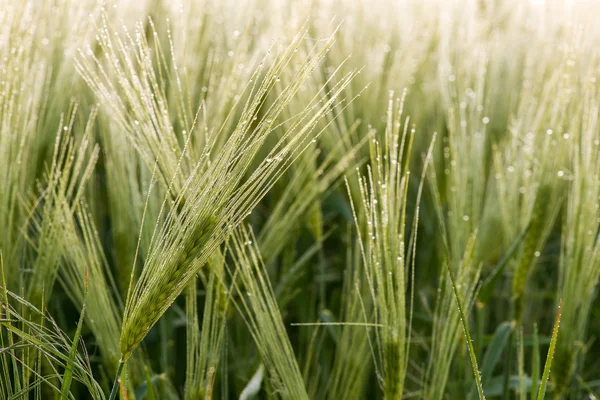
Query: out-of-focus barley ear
x,y
562,367
528,257
565,364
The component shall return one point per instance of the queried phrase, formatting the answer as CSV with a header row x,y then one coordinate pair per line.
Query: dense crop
x,y
313,199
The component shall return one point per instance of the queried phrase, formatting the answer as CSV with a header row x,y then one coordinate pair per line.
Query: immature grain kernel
x,y
222,301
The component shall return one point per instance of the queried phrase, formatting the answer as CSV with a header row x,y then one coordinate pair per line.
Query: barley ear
x,y
148,310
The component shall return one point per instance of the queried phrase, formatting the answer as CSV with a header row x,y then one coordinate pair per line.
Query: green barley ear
x,y
388,256
35,329
72,165
350,372
84,256
260,311
205,341
150,302
580,248
220,192
311,180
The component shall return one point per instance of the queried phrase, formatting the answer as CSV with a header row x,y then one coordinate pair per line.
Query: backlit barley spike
x,y
530,243
147,311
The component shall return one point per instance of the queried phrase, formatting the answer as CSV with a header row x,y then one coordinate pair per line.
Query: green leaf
x,y
549,357
465,326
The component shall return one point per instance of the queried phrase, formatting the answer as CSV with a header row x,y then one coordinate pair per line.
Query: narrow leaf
x,y
549,357
465,326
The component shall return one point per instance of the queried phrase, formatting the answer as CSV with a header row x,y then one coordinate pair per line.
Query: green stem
x,y
115,388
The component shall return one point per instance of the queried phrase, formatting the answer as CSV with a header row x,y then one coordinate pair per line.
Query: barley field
x,y
299,199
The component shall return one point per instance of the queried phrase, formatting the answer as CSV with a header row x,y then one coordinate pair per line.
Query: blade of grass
x,y
549,357
465,326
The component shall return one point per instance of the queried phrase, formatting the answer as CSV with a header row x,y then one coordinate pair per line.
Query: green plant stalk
x,y
463,320
521,366
136,328
115,388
